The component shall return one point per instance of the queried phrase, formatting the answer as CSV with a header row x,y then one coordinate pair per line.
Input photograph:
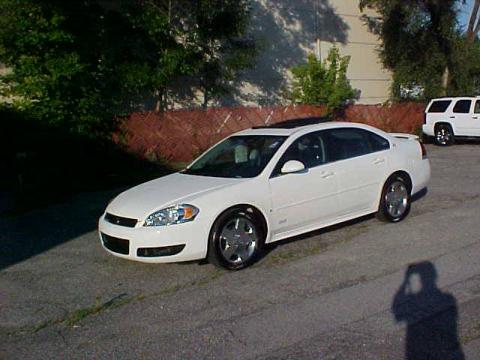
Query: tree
x,y
418,42
323,83
225,50
159,49
474,22
217,35
35,44
77,64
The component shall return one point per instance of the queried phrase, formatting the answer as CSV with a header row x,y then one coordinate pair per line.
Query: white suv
x,y
450,118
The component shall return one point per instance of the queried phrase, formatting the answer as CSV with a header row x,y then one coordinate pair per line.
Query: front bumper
x,y
175,243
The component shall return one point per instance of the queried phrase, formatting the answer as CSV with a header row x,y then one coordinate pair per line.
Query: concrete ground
x,y
333,294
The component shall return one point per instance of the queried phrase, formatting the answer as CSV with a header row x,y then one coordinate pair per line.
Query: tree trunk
x,y
473,26
160,105
205,99
445,81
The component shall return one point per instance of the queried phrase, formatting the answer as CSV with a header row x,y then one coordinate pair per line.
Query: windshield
x,y
237,157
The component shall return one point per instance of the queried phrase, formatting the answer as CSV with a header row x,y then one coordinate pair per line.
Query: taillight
x,y
424,118
424,150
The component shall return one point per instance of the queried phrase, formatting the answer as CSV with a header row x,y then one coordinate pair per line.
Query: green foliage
x,y
224,48
422,46
78,64
465,73
323,83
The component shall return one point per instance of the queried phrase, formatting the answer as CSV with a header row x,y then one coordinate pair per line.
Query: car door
x,y
476,119
361,159
307,197
462,118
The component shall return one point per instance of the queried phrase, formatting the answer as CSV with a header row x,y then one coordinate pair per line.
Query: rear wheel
x,y
396,200
444,135
236,239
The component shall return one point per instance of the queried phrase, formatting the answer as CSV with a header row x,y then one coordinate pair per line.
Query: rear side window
x,y
462,106
439,106
348,143
377,142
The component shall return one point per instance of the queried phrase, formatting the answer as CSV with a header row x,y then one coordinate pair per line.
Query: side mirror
x,y
292,166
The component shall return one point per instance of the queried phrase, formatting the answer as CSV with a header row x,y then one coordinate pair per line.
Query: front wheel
x,y
395,201
444,135
236,239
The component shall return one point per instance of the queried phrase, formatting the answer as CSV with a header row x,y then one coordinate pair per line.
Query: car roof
x,y
456,98
302,129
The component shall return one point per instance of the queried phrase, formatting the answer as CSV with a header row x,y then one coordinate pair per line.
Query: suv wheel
x,y
444,135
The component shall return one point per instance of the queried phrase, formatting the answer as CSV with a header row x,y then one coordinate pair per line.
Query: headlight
x,y
173,215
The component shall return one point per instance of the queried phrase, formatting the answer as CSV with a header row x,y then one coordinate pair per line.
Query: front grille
x,y
117,245
122,221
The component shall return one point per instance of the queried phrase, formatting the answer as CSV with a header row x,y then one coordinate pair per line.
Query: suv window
x,y
477,107
462,106
439,106
348,143
309,149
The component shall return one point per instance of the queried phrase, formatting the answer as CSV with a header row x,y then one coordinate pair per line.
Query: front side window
x,y
439,106
237,157
308,149
462,106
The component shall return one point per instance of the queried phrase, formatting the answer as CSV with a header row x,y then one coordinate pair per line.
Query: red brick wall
x,y
181,135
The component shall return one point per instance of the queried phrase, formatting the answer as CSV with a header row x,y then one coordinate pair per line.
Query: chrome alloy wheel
x,y
396,199
238,239
443,136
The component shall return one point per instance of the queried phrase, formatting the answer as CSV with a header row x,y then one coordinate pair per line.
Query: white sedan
x,y
263,185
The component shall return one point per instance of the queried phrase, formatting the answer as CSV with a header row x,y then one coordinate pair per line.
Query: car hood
x,y
142,200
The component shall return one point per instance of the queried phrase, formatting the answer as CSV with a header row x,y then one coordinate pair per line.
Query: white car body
x,y
443,111
290,204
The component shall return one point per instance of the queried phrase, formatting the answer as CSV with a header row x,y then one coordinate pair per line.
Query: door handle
x,y
452,117
326,175
475,117
378,161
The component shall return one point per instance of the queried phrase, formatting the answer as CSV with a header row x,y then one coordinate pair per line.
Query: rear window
x,y
462,106
439,106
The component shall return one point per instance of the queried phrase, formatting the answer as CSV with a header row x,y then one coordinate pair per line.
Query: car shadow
x,y
420,195
56,184
430,314
269,248
25,235
467,141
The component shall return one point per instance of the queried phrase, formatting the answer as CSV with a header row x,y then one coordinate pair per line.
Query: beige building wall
x,y
365,72
291,29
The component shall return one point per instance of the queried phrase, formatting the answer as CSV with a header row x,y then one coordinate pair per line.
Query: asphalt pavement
x,y
362,290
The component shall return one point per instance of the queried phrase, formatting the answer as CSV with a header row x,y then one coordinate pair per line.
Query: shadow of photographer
x,y
430,315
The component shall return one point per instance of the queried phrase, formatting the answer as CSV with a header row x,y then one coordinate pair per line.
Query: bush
x,y
41,164
323,83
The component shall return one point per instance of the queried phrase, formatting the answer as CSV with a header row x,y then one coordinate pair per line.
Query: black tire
x,y
216,242
384,212
444,135
426,139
